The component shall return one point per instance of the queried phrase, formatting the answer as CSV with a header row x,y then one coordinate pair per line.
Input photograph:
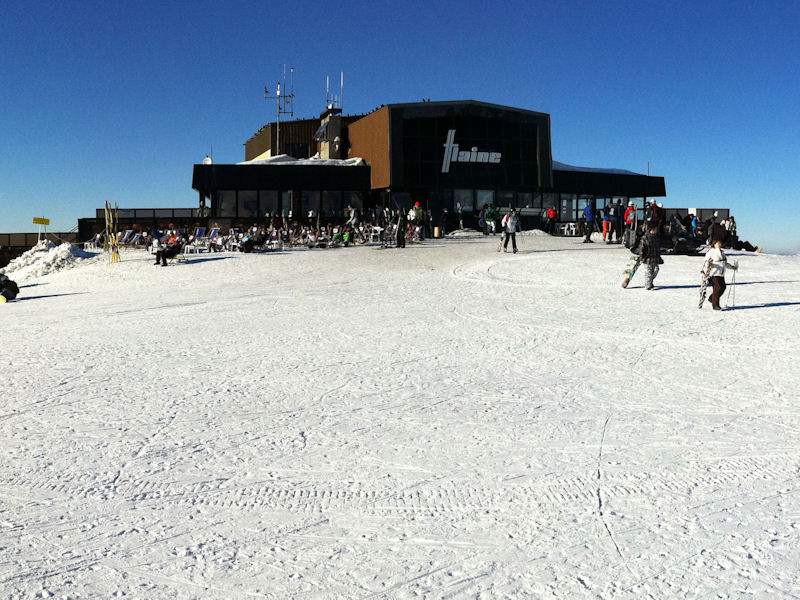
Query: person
x,y
715,264
510,224
618,218
8,288
650,253
402,223
172,249
417,218
490,216
608,222
443,222
588,226
552,219
630,215
695,225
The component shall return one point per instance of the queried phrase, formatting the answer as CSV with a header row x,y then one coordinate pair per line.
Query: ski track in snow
x,y
444,421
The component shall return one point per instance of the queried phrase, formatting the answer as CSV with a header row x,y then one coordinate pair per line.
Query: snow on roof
x,y
559,166
285,159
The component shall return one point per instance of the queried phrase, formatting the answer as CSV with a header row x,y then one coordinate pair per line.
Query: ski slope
x,y
443,421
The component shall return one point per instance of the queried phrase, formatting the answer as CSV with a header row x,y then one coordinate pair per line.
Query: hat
x,y
630,202
659,205
416,204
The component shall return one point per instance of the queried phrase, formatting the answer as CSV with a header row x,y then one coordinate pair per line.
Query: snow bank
x,y
285,159
45,258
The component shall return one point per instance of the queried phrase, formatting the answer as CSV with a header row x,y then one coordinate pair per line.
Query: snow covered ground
x,y
437,422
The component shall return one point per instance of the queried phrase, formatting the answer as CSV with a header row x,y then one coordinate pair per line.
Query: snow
x,y
285,159
443,421
46,258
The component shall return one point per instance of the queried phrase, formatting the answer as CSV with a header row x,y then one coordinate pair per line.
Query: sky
x,y
117,101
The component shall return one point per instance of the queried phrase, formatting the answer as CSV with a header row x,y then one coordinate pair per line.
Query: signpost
x,y
41,221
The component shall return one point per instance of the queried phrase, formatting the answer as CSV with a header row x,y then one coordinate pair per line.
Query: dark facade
x,y
461,155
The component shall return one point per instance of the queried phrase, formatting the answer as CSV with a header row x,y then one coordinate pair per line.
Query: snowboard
x,y
703,285
630,270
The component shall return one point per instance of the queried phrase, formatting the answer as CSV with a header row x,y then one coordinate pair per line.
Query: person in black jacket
x,y
650,252
402,224
170,251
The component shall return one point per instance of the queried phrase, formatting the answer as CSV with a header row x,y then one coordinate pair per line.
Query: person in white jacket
x,y
716,263
510,223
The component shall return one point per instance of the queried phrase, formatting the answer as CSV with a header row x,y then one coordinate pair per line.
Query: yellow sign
x,y
41,221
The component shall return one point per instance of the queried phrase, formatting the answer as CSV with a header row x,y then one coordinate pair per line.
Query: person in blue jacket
x,y
588,227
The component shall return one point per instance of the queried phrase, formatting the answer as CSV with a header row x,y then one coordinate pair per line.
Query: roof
x,y
559,166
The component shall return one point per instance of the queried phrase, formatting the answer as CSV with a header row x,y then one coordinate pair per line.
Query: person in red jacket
x,y
630,216
552,219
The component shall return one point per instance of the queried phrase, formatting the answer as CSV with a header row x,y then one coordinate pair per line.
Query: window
x,y
331,205
506,199
248,203
484,197
464,199
268,203
309,200
225,201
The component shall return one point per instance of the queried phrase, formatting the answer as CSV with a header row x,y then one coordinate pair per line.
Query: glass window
x,y
309,200
225,201
355,199
248,203
484,197
268,203
506,199
568,207
331,205
525,199
465,199
286,203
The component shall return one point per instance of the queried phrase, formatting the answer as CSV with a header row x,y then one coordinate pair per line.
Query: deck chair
x,y
125,236
133,241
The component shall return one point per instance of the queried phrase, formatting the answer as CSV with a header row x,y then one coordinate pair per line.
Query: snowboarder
x,y
715,263
650,253
510,224
8,289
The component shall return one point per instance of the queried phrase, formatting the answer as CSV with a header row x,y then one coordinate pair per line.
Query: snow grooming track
x,y
450,496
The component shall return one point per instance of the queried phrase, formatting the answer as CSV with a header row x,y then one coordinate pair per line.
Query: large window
x,y
331,205
286,204
225,201
568,207
268,203
465,199
506,199
483,197
309,200
248,203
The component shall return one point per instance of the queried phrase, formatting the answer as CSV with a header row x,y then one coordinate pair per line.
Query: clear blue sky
x,y
116,101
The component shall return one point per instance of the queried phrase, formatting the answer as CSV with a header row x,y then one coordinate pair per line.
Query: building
x,y
460,155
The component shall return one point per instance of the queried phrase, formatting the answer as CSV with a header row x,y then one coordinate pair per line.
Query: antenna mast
x,y
285,103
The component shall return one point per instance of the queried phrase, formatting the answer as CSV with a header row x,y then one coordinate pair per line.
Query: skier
x,y
608,222
716,262
510,223
650,252
588,215
8,289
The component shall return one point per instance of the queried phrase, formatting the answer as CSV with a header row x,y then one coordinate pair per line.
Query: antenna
x,y
285,103
341,95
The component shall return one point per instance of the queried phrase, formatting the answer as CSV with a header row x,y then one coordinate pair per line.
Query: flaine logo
x,y
452,154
